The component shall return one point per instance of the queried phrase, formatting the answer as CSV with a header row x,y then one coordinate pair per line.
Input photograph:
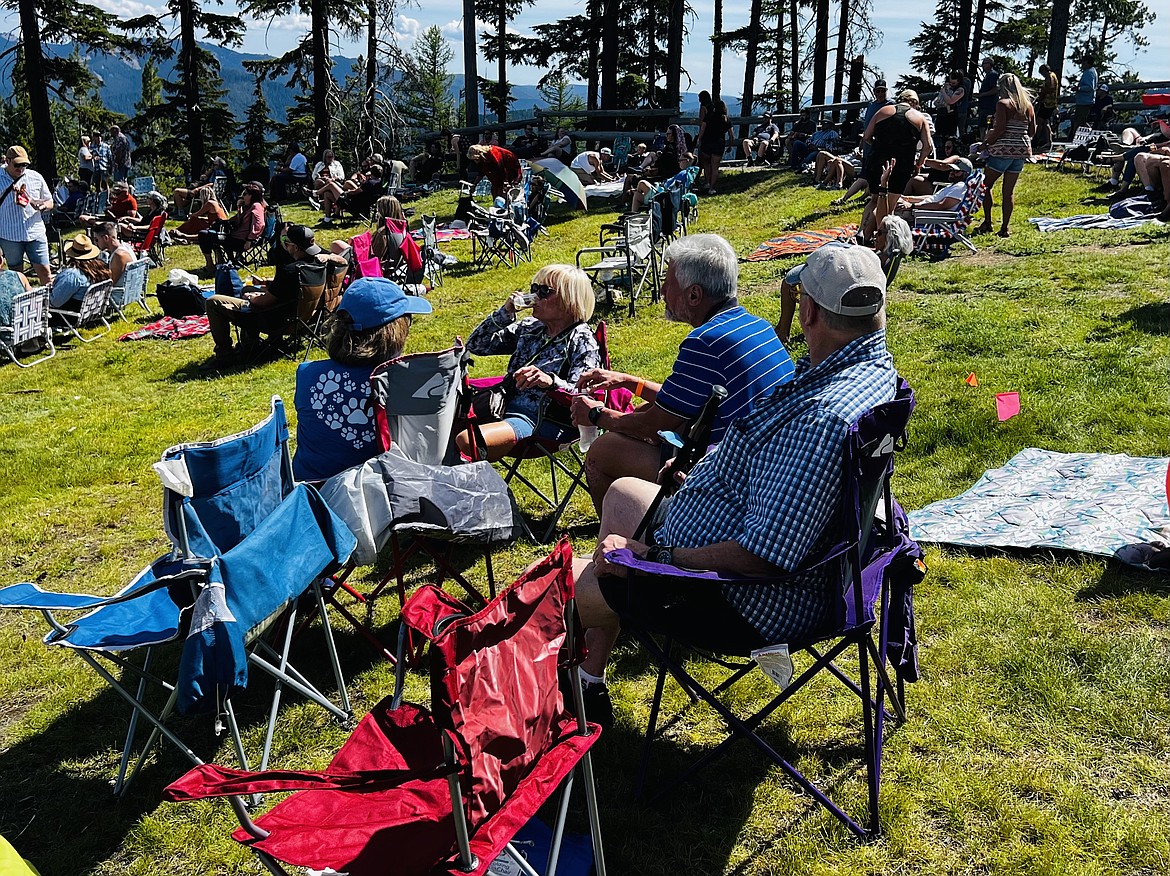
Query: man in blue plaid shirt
x,y
765,498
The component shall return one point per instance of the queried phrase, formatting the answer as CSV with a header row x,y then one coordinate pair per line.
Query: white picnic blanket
x,y
604,190
1106,504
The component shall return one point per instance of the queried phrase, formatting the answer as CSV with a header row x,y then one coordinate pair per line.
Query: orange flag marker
x,y
972,380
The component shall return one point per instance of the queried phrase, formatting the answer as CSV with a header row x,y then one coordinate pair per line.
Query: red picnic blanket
x,y
799,242
170,329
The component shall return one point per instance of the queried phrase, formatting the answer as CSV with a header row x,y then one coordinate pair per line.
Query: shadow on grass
x,y
1151,318
58,808
1119,579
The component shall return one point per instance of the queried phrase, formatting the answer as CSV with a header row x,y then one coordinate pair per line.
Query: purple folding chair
x,y
873,566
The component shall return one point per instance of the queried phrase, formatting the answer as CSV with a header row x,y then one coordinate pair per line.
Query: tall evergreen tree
x,y
423,90
42,75
470,65
257,126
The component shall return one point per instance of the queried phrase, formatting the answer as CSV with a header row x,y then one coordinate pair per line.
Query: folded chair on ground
x,y
872,568
91,312
419,791
30,322
935,231
246,545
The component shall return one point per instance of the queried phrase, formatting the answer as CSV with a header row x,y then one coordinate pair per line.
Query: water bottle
x,y
588,434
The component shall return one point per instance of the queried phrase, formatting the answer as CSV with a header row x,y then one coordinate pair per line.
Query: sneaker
x,y
325,222
314,202
598,706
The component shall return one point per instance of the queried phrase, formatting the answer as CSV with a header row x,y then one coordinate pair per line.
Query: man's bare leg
x,y
625,505
614,456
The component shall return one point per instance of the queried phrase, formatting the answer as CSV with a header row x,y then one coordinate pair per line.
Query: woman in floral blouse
x,y
549,350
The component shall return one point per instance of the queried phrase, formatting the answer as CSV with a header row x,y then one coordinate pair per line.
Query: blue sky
x,y
898,22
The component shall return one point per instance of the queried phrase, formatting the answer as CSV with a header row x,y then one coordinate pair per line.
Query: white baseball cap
x,y
843,278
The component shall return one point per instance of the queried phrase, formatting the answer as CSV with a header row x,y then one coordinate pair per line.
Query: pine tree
x,y
423,90
557,93
257,126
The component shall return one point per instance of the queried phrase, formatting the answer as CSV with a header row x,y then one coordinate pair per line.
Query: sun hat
x,y
17,155
303,238
372,302
842,278
82,248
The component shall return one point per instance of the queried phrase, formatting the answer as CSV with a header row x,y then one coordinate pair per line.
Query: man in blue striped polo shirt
x,y
729,347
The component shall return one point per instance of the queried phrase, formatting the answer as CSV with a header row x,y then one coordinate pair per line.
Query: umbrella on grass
x,y
563,180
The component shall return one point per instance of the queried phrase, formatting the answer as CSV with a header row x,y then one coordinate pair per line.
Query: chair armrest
x,y
924,216
211,780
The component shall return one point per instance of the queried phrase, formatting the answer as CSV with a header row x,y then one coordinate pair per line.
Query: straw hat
x,y
82,249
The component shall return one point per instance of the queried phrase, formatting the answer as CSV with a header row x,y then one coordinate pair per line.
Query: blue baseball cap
x,y
372,302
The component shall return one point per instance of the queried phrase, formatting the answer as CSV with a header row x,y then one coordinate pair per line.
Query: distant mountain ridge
x,y
121,79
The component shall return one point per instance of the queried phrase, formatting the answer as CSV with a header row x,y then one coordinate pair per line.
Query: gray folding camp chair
x,y
131,287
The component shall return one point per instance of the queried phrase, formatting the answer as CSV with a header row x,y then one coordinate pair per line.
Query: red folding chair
x,y
152,243
445,789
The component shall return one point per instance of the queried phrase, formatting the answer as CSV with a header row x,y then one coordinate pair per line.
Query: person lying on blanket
x,y
893,239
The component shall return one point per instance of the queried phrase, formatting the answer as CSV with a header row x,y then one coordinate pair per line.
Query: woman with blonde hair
x,y
1009,146
549,350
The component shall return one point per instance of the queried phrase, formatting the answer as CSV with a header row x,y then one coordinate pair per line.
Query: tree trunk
x,y
717,52
977,36
609,55
779,57
594,9
794,54
652,54
322,121
674,47
960,60
189,83
44,140
470,66
502,61
1058,36
371,131
749,70
820,52
839,73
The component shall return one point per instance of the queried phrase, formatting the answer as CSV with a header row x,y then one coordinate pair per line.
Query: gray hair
x,y
706,261
899,239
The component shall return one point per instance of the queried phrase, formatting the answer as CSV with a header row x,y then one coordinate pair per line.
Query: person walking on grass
x,y
1009,146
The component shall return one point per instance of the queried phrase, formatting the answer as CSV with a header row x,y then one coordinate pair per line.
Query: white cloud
x,y
296,24
453,29
129,8
406,28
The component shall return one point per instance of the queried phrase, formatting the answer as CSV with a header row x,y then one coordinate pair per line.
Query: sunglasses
x,y
541,291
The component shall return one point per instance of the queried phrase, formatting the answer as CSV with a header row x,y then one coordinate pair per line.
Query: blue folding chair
x,y
871,568
247,543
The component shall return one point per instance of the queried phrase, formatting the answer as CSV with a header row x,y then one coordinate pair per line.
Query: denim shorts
x,y
523,423
15,251
1005,165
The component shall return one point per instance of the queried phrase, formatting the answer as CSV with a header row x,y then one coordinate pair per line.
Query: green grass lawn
x,y
1038,740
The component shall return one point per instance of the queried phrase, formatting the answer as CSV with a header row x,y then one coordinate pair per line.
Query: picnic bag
x,y
180,299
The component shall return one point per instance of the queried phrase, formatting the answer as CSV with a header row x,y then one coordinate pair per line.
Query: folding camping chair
x,y
403,262
231,511
92,311
566,461
336,270
30,322
440,790
434,261
621,151
130,288
628,263
935,231
255,253
285,324
492,237
143,185
872,569
153,243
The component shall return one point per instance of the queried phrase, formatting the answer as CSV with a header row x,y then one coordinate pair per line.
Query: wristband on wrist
x,y
595,414
638,389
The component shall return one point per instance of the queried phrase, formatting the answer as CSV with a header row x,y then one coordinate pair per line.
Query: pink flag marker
x,y
1007,405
